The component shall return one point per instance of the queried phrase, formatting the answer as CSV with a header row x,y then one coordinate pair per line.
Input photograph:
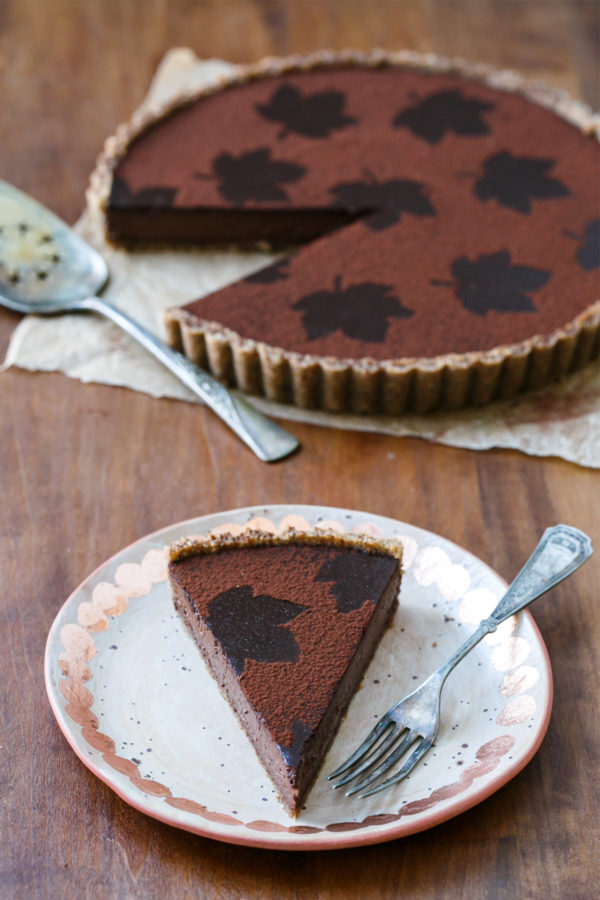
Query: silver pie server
x,y
46,268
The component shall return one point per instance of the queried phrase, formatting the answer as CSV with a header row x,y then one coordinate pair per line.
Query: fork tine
x,y
366,745
406,769
371,758
387,763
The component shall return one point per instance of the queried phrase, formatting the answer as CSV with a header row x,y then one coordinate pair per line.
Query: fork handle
x,y
561,550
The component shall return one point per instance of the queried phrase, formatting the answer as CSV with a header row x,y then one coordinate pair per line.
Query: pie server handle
x,y
268,440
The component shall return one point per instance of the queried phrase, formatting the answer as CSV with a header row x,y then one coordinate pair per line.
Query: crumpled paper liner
x,y
562,420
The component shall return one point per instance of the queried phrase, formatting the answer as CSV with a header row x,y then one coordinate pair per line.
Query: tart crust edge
x,y
389,387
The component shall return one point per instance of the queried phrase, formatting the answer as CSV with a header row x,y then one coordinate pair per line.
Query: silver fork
x,y
415,720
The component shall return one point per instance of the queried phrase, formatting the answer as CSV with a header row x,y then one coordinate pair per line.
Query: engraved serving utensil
x,y
412,724
46,268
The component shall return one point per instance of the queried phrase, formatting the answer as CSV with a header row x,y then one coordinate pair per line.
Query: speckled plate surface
x,y
137,705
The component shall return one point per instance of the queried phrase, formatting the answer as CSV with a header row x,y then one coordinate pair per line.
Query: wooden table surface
x,y
86,469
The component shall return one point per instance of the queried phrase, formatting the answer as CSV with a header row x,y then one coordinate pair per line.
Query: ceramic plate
x,y
135,701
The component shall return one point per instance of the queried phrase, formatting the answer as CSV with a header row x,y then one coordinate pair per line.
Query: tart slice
x,y
287,625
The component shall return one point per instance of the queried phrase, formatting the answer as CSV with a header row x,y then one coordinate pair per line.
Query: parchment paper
x,y
563,420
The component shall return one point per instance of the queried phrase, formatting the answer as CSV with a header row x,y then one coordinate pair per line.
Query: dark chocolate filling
x,y
279,228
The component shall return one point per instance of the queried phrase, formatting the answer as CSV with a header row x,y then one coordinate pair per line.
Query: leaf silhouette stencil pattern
x,y
361,311
353,582
254,175
386,199
588,255
249,627
515,181
493,283
276,272
316,115
159,197
444,112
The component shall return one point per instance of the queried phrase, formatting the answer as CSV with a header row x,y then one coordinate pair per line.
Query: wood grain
x,y
86,469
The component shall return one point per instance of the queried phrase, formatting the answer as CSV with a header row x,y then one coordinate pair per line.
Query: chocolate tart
x,y
287,625
447,217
